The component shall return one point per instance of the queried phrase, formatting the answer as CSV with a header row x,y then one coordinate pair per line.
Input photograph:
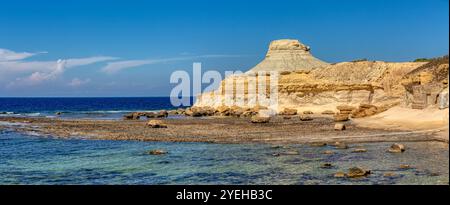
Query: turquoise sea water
x,y
29,159
34,160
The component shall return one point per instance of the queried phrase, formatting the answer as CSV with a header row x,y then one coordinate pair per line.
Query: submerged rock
x,y
327,152
131,116
308,112
326,166
405,166
359,150
389,174
157,152
318,144
291,153
357,172
397,148
340,145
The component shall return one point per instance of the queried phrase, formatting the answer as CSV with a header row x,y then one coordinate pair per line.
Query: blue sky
x,y
95,40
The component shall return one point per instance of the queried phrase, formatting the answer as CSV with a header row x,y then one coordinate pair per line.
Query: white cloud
x,y
8,55
76,82
36,72
113,67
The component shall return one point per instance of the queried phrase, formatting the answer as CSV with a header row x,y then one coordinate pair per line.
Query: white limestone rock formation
x,y
288,55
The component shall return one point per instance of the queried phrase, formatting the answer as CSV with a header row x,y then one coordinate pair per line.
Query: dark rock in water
x,y
405,166
276,154
340,145
357,172
285,153
397,148
326,166
389,174
434,174
277,147
359,150
133,116
318,144
327,152
157,152
58,113
129,116
150,115
291,153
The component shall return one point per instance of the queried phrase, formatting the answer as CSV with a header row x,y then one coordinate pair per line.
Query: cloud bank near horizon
x,y
17,71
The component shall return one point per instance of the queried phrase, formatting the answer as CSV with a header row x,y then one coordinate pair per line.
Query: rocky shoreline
x,y
280,129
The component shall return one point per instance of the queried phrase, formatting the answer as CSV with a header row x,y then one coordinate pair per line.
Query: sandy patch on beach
x,y
399,118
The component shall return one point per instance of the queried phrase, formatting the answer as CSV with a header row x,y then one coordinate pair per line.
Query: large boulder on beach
x,y
345,109
199,111
339,126
305,117
236,111
156,124
366,110
288,111
223,110
341,117
260,119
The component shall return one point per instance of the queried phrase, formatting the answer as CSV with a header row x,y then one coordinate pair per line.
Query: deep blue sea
x,y
31,159
105,108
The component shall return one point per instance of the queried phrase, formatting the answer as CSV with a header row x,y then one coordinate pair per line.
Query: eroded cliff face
x,y
349,83
427,86
308,84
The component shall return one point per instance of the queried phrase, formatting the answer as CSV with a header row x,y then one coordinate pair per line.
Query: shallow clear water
x,y
35,160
